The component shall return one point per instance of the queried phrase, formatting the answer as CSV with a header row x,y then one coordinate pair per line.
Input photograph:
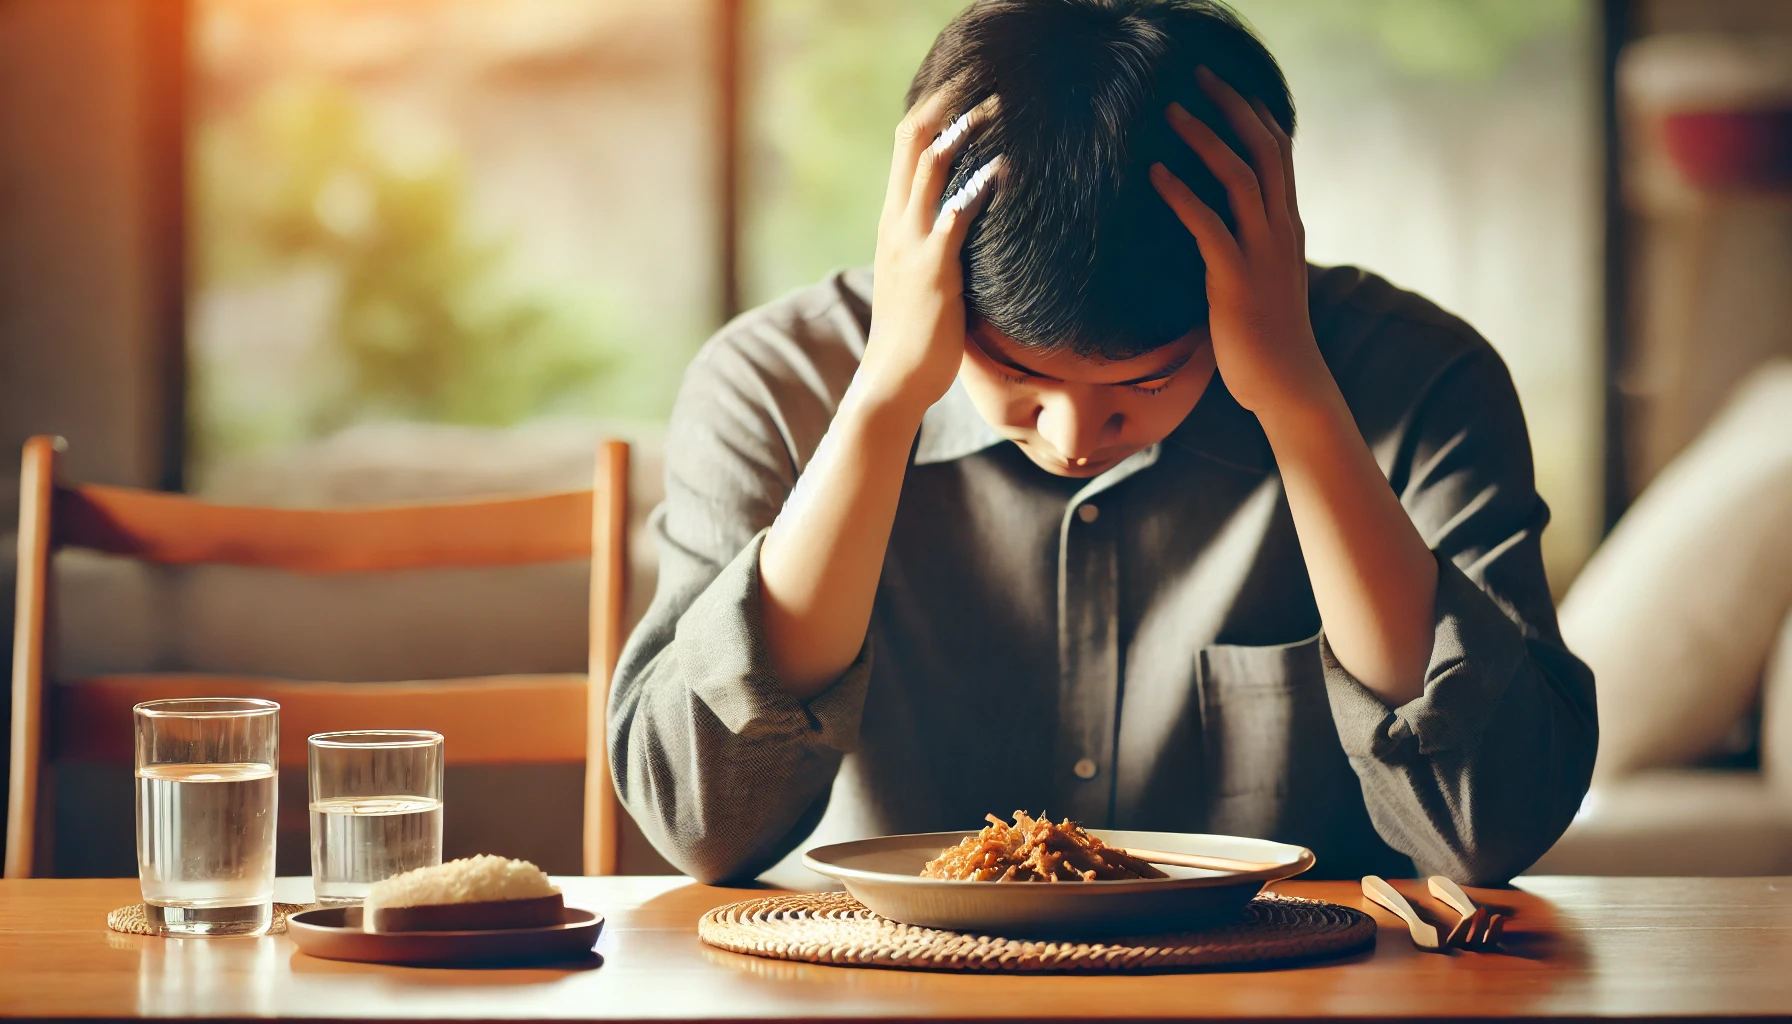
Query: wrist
x,y
1300,418
885,403
880,412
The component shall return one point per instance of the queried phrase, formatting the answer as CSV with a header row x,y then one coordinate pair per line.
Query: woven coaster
x,y
131,920
834,928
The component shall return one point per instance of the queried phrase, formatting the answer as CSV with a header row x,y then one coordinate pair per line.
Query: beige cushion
x,y
1677,611
1776,715
1678,822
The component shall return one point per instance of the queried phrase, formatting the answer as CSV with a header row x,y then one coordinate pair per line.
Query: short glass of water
x,y
376,809
207,783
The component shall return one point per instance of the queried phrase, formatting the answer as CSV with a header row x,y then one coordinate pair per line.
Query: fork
x,y
1477,929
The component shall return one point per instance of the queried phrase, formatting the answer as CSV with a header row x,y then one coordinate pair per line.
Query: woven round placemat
x,y
131,920
834,928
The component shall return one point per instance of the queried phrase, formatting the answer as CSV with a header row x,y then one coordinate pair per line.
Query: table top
x,y
1578,947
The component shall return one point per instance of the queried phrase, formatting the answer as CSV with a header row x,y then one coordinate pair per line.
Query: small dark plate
x,y
334,933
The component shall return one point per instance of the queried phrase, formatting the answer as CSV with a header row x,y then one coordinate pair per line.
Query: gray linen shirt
x,y
1140,650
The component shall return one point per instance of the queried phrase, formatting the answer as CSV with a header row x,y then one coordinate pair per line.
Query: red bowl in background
x,y
1731,150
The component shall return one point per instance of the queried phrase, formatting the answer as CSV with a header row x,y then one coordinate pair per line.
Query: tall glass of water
x,y
207,782
376,809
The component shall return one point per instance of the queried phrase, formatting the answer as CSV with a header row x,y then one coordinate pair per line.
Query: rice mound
x,y
482,879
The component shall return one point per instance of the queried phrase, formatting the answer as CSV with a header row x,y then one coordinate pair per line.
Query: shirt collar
x,y
952,429
1220,429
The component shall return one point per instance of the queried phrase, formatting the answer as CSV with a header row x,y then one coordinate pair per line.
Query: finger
x,y
1243,190
1266,159
914,133
1286,145
1218,248
933,172
957,213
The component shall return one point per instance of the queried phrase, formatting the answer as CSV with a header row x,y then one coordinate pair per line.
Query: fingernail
x,y
968,192
946,212
953,132
975,183
951,206
1204,72
1158,170
983,175
1177,112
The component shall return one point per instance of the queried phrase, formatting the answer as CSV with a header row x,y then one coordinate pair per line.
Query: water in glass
x,y
359,840
205,835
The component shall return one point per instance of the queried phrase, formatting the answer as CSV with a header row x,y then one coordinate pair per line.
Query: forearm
x,y
821,561
1373,577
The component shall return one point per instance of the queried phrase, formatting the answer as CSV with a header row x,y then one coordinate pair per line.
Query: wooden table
x,y
1582,947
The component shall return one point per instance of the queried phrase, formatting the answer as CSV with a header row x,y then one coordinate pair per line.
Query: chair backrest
x,y
530,719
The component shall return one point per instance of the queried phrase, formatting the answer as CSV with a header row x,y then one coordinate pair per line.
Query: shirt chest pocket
x,y
1272,755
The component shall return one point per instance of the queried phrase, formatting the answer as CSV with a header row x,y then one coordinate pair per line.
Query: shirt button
x,y
1087,514
1084,769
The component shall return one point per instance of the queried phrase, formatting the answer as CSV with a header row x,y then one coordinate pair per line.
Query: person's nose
x,y
1073,426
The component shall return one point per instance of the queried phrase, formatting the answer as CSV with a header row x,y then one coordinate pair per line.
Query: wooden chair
x,y
535,719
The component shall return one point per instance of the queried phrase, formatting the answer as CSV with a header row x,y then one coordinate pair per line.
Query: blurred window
x,y
445,211
482,212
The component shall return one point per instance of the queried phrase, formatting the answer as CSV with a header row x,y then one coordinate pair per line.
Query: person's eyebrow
x,y
997,357
1159,375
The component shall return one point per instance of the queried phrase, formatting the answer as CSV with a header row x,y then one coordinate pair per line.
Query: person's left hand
x,y
1257,279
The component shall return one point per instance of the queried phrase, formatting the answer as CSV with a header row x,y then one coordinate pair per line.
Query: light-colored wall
x,y
1706,279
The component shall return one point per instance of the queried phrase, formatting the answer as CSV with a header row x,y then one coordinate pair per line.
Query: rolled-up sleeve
x,y
724,771
1477,777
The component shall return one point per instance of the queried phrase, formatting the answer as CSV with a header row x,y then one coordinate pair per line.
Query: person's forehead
x,y
1068,366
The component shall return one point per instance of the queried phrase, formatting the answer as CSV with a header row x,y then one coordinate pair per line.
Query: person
x,y
1095,498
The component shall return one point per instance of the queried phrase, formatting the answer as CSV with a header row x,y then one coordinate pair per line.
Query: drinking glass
x,y
207,786
376,809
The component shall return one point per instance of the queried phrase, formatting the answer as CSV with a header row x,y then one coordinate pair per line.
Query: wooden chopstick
x,y
1195,860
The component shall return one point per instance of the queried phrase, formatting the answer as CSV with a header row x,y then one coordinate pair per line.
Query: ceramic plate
x,y
884,874
334,933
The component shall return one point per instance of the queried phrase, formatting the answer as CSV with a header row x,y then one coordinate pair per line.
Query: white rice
x,y
480,879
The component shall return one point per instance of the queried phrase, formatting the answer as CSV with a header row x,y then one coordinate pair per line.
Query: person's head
x,y
1077,270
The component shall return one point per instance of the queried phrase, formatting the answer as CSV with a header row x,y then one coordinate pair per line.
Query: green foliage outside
x,y
829,78
427,324
826,90
1462,41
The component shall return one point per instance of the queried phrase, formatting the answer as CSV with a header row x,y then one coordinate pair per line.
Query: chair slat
x,y
536,719
176,530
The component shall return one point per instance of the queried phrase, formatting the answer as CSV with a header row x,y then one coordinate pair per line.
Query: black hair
x,y
1076,251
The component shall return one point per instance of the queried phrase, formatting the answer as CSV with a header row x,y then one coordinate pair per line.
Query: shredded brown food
x,y
1035,850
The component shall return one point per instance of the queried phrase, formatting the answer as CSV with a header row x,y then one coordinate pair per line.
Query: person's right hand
x,y
917,305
